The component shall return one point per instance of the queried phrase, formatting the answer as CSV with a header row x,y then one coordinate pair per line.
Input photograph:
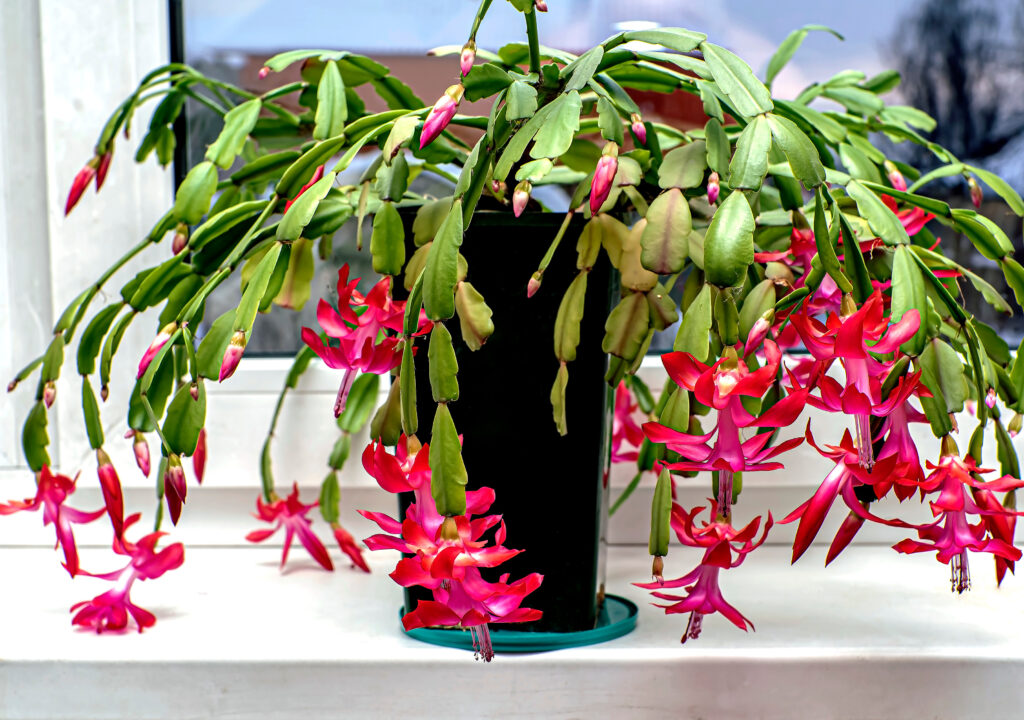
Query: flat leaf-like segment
x,y
747,94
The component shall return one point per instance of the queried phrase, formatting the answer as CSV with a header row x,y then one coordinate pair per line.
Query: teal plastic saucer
x,y
617,618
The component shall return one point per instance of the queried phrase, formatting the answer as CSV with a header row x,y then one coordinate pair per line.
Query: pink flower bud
x,y
12,385
175,488
158,342
199,457
232,356
441,114
990,398
540,5
534,285
713,188
1015,424
976,194
638,127
971,406
264,71
80,183
498,187
180,241
104,392
896,178
520,197
49,393
467,57
104,166
141,449
110,484
758,332
604,174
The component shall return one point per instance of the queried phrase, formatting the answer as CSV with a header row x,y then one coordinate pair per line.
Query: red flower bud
x,y
158,342
264,71
467,57
110,484
80,183
232,356
976,194
104,166
317,176
199,457
175,488
180,241
521,197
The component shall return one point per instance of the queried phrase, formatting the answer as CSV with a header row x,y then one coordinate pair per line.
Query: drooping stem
x,y
531,34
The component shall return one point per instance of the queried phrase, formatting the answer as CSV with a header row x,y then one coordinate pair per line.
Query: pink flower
x,y
80,183
154,347
52,492
467,57
357,334
846,337
445,554
636,124
604,175
110,610
441,114
520,197
952,535
110,484
842,480
290,513
722,387
232,355
720,542
141,450
1000,525
625,429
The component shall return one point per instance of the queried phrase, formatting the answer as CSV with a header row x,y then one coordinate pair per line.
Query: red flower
x,y
722,387
110,610
52,492
847,474
290,514
348,545
110,484
720,542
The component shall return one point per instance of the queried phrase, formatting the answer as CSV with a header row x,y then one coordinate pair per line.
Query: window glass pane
x,y
960,59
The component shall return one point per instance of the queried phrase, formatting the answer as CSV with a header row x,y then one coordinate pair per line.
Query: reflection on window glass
x,y
960,60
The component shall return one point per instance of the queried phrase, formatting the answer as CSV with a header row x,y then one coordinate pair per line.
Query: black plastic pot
x,y
551,490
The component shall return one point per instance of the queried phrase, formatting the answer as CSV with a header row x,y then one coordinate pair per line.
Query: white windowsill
x,y
877,635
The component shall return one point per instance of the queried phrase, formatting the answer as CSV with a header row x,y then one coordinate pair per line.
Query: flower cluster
x,y
446,553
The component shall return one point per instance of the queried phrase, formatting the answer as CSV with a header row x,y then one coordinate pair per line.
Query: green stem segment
x,y
481,11
531,34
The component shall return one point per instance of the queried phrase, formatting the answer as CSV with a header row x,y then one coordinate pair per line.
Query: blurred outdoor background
x,y
961,61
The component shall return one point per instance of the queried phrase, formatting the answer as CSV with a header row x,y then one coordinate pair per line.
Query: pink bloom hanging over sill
x,y
52,492
110,610
290,513
722,386
447,553
360,347
720,542
627,435
952,535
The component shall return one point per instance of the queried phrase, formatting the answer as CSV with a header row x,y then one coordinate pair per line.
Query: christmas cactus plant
x,y
793,259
